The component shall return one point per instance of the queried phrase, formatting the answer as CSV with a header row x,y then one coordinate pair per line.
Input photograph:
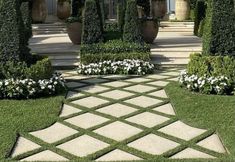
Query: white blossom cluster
x,y
28,88
127,66
208,85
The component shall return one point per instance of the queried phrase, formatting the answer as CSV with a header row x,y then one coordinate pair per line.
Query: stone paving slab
x,y
24,145
83,146
181,130
68,110
93,89
143,101
140,88
167,109
118,155
117,84
118,131
117,110
153,144
54,133
72,94
160,93
148,119
116,94
90,102
45,156
191,154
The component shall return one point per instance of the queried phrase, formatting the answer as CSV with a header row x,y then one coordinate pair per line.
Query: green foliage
x,y
199,13
219,29
201,28
212,66
42,69
114,50
27,19
131,31
121,9
95,58
145,5
114,46
92,26
13,46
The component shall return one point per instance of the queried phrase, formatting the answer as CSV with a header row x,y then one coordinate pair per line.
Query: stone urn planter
x,y
39,11
74,29
182,9
149,29
159,8
63,9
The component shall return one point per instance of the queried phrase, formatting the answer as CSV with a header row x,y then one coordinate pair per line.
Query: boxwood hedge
x,y
219,29
199,13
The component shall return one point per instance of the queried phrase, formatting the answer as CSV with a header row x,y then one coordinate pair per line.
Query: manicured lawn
x,y
24,116
204,111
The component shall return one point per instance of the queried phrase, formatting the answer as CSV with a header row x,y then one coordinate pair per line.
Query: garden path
x,y
118,118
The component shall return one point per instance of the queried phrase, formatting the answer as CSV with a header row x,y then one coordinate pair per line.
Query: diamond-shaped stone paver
x,y
157,76
159,83
116,94
143,101
138,80
118,155
90,102
83,146
45,156
153,144
72,94
148,119
166,109
68,110
181,130
173,79
160,93
171,73
213,143
95,80
118,131
116,84
191,154
74,84
54,133
87,120
114,76
24,145
93,89
140,88
117,110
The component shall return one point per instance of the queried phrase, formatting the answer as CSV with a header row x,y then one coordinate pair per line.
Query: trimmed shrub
x,y
131,31
27,19
215,66
42,69
199,15
91,32
121,9
114,46
13,45
201,28
115,50
219,30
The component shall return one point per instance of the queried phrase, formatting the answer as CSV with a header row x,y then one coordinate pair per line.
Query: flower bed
x,y
29,88
126,66
207,85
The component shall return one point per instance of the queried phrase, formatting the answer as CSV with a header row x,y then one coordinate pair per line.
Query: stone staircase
x,y
173,46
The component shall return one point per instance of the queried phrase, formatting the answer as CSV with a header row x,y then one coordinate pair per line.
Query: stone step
x,y
170,61
176,24
166,29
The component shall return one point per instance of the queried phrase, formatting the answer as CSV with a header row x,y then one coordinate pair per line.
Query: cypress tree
x,y
12,40
92,26
131,31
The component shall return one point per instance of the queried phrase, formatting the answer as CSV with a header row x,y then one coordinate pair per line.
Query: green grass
x,y
21,116
206,111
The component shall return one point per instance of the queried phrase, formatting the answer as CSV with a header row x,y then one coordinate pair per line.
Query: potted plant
x,y
159,8
63,9
74,22
182,9
149,24
39,11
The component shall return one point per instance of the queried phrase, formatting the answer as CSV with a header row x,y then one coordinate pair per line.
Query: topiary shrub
x,y
131,31
199,15
27,19
121,9
91,31
219,29
13,45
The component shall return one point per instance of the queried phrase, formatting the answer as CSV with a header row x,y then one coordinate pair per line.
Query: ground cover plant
x,y
206,111
19,116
